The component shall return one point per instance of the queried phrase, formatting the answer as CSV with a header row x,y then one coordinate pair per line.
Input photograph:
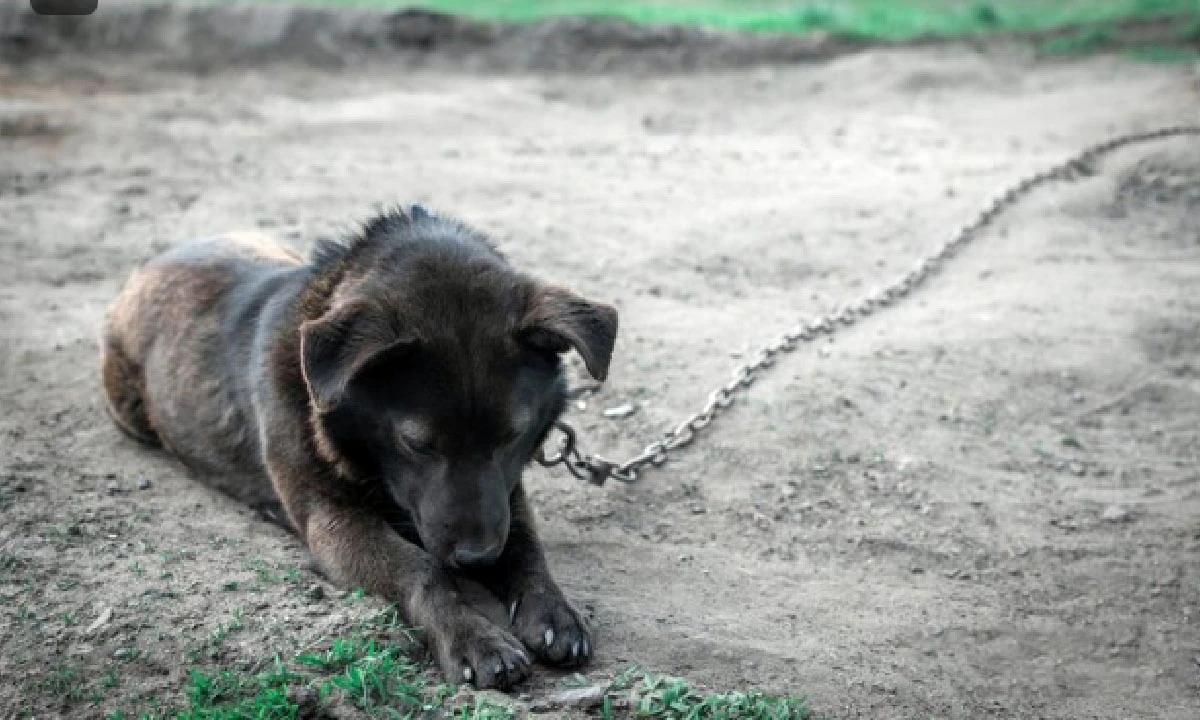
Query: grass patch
x,y
229,696
1165,54
371,669
877,19
1084,40
660,698
71,688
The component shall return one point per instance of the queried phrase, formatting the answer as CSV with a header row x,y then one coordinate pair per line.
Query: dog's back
x,y
176,346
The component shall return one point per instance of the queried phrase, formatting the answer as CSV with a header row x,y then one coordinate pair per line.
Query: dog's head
x,y
434,374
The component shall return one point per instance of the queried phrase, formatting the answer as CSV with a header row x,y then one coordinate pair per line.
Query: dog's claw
x,y
552,631
467,674
512,611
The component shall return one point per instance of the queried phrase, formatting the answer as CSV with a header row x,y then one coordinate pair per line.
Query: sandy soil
x,y
982,503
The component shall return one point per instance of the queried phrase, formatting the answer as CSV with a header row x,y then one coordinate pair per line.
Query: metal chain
x,y
597,469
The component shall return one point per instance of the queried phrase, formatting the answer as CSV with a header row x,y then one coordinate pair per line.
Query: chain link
x,y
596,469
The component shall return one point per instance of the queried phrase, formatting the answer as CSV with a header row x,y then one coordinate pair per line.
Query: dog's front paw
x,y
551,628
475,650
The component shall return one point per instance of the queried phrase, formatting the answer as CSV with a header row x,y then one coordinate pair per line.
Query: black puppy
x,y
388,394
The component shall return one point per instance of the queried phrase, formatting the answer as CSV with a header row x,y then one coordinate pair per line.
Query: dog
x,y
385,395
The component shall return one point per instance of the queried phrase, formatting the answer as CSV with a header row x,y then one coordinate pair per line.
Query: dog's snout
x,y
467,554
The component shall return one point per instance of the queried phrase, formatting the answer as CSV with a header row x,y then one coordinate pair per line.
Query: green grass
x,y
372,670
660,698
1165,54
1084,40
369,669
879,19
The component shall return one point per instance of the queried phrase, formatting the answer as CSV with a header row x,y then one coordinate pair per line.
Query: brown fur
x,y
293,383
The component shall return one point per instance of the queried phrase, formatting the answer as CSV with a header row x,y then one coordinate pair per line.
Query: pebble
x,y
100,622
315,592
582,698
1116,514
112,488
619,411
143,482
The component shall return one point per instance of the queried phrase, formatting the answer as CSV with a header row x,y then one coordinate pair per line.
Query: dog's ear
x,y
558,320
337,346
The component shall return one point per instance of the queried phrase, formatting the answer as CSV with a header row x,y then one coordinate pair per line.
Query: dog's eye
x,y
415,434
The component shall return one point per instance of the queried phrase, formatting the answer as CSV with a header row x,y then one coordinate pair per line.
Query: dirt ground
x,y
984,502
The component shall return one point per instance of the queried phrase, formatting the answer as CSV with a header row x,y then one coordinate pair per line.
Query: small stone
x,y
143,482
315,592
619,411
699,509
1116,514
1078,468
100,622
581,698
112,488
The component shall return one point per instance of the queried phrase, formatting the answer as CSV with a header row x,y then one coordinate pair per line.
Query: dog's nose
x,y
473,555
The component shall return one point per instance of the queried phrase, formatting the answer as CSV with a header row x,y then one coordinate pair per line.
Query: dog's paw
x,y
478,652
553,630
